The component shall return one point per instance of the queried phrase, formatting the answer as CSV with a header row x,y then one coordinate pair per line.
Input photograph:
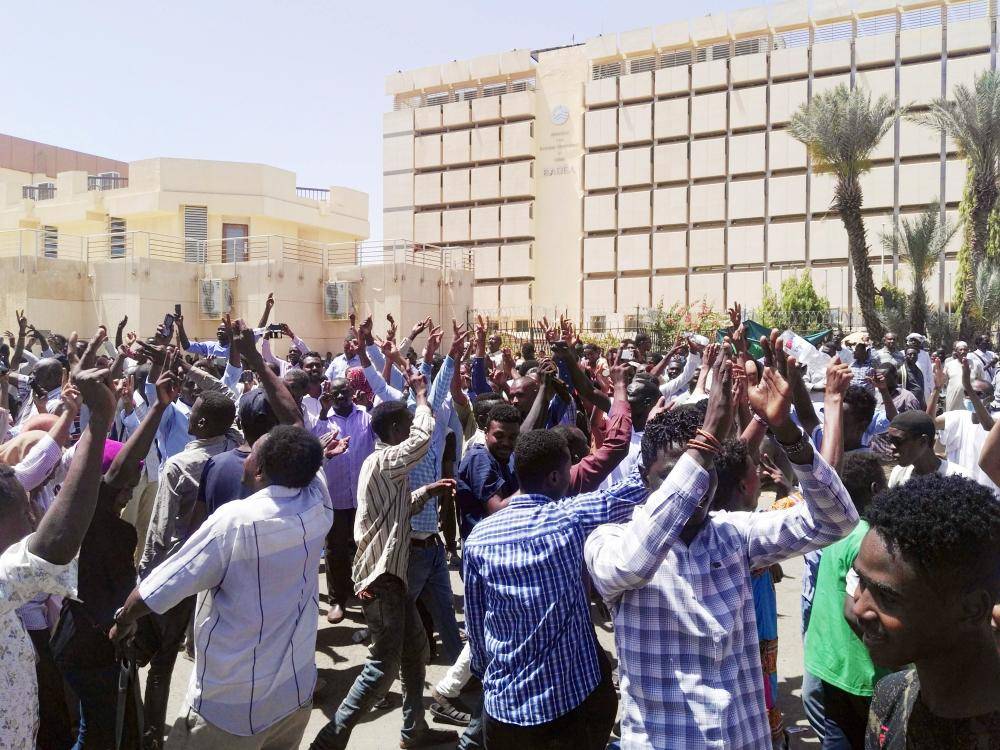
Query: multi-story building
x,y
656,165
85,239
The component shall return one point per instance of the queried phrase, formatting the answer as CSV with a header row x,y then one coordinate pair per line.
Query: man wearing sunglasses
x,y
911,435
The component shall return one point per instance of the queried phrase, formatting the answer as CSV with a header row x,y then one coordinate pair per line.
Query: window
x,y
441,98
117,237
631,322
495,89
598,323
235,246
50,241
525,84
522,326
720,51
751,46
641,64
607,70
195,233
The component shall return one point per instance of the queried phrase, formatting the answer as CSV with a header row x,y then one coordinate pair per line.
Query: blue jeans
x,y
812,702
427,578
97,690
399,647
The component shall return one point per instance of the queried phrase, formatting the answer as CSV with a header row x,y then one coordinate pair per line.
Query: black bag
x,y
128,714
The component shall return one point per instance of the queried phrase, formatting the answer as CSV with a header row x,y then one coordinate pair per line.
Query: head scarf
x,y
357,380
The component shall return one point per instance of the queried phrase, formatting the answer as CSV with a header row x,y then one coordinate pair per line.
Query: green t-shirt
x,y
833,652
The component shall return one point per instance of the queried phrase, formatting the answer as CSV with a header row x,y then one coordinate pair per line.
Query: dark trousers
x,y
340,549
97,690
586,727
54,731
846,719
449,522
399,647
170,628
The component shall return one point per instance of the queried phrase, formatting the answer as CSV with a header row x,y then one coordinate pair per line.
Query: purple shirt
x,y
342,471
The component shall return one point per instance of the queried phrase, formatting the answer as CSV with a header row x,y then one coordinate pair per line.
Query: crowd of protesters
x,y
159,494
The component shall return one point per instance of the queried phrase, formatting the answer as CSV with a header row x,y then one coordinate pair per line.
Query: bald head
x,y
48,373
522,394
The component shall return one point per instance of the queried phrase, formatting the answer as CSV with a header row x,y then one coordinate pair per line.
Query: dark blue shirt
x,y
222,480
480,477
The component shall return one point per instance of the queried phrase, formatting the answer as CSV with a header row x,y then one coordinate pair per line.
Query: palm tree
x,y
921,243
987,284
971,118
840,128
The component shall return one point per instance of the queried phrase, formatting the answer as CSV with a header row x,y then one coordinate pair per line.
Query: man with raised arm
x,y
43,561
677,578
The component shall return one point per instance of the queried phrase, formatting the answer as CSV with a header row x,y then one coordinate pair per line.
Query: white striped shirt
x,y
255,625
385,504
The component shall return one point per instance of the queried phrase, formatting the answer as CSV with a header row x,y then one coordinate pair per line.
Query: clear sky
x,y
296,84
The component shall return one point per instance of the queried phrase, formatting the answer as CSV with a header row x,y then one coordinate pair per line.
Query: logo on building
x,y
560,114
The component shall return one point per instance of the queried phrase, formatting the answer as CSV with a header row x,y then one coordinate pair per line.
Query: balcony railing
x,y
316,194
106,182
38,192
134,245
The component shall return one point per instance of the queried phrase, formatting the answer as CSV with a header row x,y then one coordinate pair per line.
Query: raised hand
x,y
390,333
167,388
735,315
619,375
326,396
719,415
365,331
71,399
940,376
480,337
243,340
418,386
771,398
838,376
94,386
269,302
458,342
122,323
22,322
433,342
550,333
877,379
156,352
419,327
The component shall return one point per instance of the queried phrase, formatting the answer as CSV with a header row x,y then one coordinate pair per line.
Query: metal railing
x,y
106,182
38,192
316,194
28,243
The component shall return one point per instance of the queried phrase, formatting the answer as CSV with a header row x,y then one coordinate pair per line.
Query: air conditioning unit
x,y
216,298
337,300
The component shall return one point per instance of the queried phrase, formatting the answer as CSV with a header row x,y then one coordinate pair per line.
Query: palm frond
x,y
840,128
920,241
988,291
971,118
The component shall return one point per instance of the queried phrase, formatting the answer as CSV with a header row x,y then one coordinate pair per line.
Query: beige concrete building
x,y
655,165
85,239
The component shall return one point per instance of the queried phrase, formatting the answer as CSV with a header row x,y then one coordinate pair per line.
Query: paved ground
x,y
339,660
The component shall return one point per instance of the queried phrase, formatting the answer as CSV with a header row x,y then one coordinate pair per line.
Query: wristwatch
x,y
798,450
117,615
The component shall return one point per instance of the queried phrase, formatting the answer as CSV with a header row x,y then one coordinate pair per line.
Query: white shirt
x,y
255,561
622,470
963,443
901,474
955,392
23,576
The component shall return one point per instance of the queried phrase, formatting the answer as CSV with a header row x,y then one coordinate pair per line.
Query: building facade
x,y
85,240
655,165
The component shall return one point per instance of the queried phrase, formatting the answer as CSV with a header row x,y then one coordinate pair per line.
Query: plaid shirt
x,y
685,628
428,470
526,612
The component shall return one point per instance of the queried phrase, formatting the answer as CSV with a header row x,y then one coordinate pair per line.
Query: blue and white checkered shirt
x,y
429,468
526,611
685,629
